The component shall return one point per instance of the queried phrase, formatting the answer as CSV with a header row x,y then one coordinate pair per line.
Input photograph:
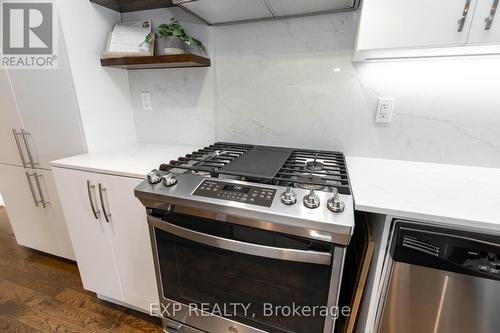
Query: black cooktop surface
x,y
258,163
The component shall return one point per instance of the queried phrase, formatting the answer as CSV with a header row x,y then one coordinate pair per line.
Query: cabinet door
x,y
30,222
388,24
9,119
54,215
130,234
486,24
89,235
49,111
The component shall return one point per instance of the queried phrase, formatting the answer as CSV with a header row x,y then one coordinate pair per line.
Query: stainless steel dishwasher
x,y
441,280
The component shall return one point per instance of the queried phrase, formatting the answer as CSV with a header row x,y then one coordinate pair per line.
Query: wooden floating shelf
x,y
156,62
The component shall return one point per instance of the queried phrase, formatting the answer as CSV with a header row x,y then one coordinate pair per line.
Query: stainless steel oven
x,y
224,277
249,238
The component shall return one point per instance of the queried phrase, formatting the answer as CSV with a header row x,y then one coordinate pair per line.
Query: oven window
x,y
195,273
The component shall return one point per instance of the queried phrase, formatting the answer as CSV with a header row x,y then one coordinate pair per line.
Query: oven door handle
x,y
309,257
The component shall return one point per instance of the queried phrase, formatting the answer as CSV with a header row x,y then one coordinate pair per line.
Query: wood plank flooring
x,y
41,293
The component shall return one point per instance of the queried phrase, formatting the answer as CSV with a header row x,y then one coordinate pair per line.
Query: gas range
x,y
297,191
250,225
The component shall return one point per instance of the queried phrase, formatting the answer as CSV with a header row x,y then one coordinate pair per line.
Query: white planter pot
x,y
170,45
173,50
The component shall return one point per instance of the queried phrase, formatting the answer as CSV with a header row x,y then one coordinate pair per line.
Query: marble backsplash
x,y
292,83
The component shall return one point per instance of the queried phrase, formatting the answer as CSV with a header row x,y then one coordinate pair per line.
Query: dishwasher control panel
x,y
254,195
447,249
479,261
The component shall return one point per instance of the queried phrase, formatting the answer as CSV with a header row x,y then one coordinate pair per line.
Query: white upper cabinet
x,y
486,24
425,28
9,120
49,112
389,24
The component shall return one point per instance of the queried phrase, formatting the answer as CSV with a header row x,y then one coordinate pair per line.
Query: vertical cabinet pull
x,y
461,21
491,17
39,188
18,143
25,134
38,185
92,200
102,195
32,189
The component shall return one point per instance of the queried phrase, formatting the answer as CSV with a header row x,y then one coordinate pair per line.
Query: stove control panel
x,y
254,195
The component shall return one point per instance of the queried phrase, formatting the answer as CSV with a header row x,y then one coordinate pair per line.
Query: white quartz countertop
x,y
134,160
450,194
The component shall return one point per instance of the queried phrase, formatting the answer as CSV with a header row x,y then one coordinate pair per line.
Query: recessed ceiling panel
x,y
224,11
301,7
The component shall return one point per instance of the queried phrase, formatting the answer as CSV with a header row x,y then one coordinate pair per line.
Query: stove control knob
x,y
311,200
169,180
289,197
154,176
335,204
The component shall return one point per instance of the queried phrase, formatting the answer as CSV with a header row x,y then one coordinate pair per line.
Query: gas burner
x,y
316,187
200,173
314,165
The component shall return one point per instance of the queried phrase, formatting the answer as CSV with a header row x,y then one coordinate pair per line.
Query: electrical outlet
x,y
384,110
147,104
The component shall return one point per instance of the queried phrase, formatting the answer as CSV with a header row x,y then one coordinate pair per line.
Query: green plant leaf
x,y
176,30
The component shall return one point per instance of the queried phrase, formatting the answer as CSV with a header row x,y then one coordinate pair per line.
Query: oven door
x,y
244,279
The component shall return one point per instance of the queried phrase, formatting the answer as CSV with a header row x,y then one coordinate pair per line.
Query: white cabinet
x,y
9,120
60,112
413,23
39,121
424,28
486,24
110,235
25,193
88,232
49,111
130,237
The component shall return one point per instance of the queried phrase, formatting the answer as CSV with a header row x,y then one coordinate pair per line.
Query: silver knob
x,y
154,176
311,200
169,180
335,204
289,197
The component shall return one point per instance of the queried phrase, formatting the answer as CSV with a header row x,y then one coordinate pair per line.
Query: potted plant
x,y
174,38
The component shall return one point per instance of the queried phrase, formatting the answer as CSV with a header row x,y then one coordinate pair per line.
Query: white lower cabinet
x,y
34,210
110,236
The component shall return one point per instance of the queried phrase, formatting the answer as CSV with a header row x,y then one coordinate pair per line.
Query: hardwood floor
x,y
41,293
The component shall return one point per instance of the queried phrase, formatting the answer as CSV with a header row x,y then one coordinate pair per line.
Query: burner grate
x,y
209,159
315,169
310,169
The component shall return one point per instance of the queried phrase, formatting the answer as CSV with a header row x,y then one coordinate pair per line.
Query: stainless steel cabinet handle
x,y
311,257
28,149
491,17
32,189
107,215
461,21
90,189
18,143
42,198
